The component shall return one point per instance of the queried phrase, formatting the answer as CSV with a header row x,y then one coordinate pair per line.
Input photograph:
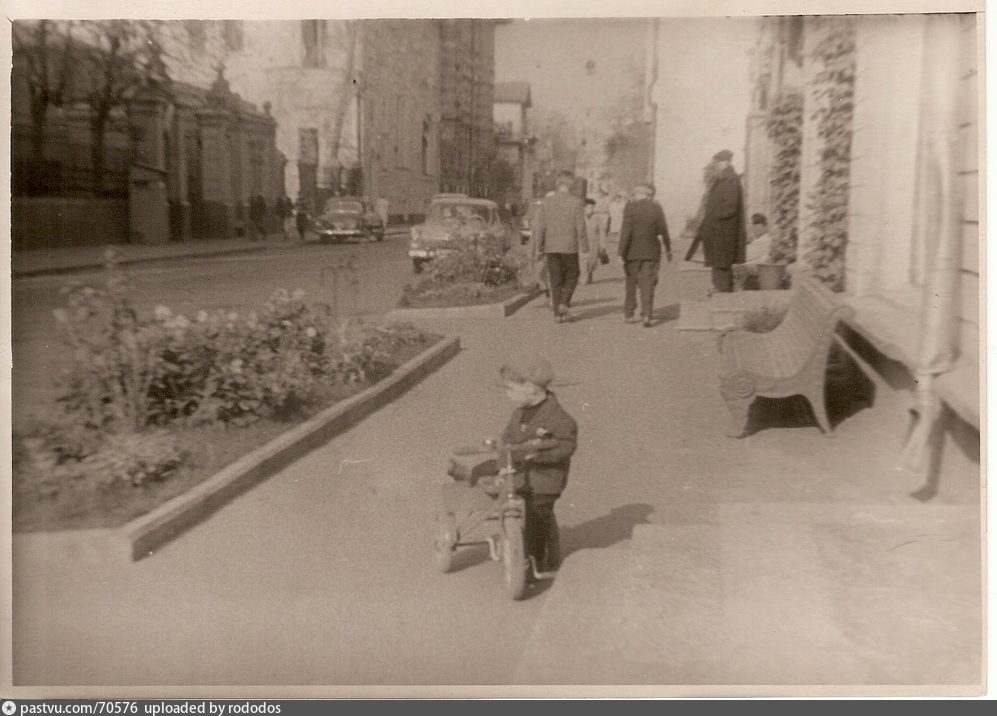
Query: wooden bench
x,y
790,360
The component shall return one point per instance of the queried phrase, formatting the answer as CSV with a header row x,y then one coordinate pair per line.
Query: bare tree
x,y
557,145
46,47
628,147
120,56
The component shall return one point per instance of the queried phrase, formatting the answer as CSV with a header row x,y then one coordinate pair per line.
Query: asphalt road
x,y
192,284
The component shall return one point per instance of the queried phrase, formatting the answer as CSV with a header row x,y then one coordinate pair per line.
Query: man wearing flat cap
x,y
722,230
643,226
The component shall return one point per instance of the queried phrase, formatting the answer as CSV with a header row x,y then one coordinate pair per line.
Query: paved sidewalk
x,y
323,574
38,262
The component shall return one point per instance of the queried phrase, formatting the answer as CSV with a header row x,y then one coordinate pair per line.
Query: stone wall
x,y
54,222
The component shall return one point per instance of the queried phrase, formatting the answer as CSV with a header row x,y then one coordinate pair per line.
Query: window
x,y
313,39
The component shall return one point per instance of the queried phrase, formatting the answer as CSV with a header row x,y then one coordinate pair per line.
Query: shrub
x,y
484,260
104,460
129,373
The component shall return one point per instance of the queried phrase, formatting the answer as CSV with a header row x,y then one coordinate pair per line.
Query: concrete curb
x,y
143,535
487,310
93,265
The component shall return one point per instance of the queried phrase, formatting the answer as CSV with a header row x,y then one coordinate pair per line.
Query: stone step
x,y
769,594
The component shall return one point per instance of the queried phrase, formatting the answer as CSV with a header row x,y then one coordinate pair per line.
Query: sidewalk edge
x,y
486,310
143,535
94,265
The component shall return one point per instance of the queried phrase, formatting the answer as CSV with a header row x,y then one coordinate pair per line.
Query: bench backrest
x,y
808,327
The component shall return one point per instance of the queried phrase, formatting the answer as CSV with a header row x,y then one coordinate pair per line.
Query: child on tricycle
x,y
523,479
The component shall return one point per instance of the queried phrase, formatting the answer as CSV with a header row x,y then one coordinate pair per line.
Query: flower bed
x,y
150,407
470,276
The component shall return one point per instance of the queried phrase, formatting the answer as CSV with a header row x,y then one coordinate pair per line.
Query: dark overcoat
x,y
722,230
643,223
548,471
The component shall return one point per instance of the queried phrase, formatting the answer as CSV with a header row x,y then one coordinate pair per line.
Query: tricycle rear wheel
x,y
514,557
446,541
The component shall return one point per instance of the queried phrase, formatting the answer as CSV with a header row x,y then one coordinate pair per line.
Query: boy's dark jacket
x,y
548,471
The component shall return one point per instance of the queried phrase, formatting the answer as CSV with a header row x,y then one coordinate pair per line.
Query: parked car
x,y
452,221
526,225
348,217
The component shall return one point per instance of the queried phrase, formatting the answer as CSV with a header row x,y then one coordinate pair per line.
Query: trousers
x,y
541,539
563,271
644,275
723,279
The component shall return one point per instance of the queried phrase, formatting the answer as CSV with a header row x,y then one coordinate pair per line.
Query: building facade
x,y
698,91
400,107
888,191
467,81
180,161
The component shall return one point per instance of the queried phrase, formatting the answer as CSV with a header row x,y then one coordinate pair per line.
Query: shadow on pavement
x,y
605,531
667,313
599,312
591,302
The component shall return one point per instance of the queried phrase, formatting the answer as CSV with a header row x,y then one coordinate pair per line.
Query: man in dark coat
x,y
559,234
722,230
643,225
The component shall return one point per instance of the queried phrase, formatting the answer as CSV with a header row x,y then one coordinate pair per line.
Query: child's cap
x,y
529,369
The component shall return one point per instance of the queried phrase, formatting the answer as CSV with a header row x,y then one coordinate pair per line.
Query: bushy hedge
x,y
131,378
471,271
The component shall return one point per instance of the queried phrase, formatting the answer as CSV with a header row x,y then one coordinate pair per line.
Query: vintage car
x,y
348,217
526,224
453,221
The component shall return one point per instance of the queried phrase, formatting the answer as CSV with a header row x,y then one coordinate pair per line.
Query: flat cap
x,y
529,369
724,155
646,189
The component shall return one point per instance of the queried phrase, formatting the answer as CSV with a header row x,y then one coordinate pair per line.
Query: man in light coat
x,y
559,234
722,230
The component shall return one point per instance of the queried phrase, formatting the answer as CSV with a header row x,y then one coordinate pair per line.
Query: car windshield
x,y
452,212
341,205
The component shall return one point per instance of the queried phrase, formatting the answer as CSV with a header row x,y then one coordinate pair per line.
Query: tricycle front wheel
x,y
514,557
445,544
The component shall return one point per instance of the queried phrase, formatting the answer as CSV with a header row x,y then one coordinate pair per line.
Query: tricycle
x,y
485,505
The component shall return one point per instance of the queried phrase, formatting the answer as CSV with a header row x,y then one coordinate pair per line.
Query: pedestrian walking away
x,y
595,231
301,217
722,230
559,234
616,217
643,227
538,419
285,212
258,216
